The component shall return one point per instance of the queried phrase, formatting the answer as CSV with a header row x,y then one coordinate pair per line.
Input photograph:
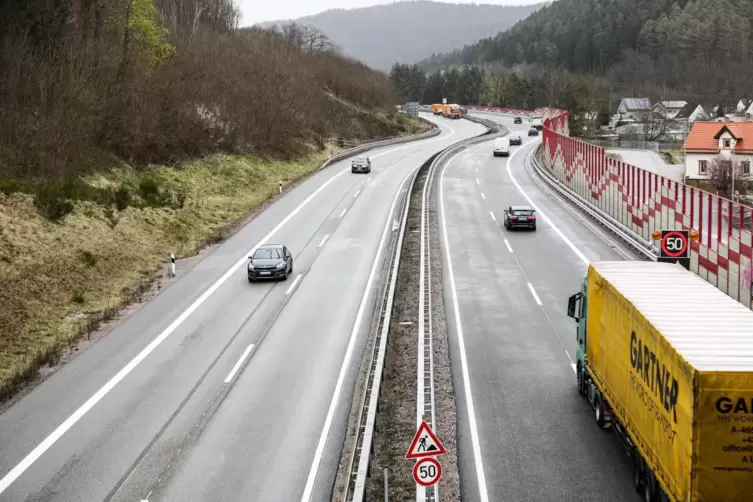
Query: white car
x,y
501,147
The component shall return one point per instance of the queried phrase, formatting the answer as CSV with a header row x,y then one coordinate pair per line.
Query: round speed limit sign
x,y
674,244
427,471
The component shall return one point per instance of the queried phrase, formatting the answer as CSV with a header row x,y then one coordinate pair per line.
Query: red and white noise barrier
x,y
643,202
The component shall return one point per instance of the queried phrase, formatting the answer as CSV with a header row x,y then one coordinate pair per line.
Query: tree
x,y
724,177
653,125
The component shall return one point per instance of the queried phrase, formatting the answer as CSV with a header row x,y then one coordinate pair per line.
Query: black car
x,y
520,217
517,120
361,165
516,140
533,131
270,261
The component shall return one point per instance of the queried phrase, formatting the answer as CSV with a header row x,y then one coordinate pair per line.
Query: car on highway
x,y
361,165
520,217
501,147
517,120
533,131
516,140
270,261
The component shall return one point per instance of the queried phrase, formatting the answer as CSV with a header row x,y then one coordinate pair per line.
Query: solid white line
x,y
319,453
562,236
507,243
343,213
292,286
535,296
495,219
356,195
324,240
575,366
50,440
483,196
239,363
481,478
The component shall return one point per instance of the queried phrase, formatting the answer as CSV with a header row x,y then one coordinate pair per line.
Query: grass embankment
x,y
73,253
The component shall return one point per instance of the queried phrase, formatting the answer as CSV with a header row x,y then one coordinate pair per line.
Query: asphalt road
x,y
524,432
219,389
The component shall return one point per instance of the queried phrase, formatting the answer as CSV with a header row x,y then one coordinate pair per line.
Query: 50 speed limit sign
x,y
427,471
675,243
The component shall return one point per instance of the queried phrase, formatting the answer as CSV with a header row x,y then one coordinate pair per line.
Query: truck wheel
x,y
599,408
637,473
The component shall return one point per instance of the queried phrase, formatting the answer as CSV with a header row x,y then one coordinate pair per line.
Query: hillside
x,y
129,135
694,50
410,31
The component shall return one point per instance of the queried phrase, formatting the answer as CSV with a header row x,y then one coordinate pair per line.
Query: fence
x,y
637,144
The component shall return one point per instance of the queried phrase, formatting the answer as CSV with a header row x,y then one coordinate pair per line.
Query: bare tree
x,y
653,126
723,176
307,38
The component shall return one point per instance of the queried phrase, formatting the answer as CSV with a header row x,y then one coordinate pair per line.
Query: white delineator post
x,y
171,266
280,187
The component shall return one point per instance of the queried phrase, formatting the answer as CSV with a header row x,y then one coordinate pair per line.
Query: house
x,y
742,105
687,115
633,109
668,109
749,111
707,141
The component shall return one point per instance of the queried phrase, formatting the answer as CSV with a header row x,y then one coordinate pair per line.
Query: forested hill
x,y
581,35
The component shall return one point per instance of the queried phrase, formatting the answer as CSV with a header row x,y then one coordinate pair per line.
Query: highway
x,y
524,432
219,389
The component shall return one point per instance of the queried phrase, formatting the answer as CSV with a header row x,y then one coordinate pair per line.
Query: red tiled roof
x,y
701,137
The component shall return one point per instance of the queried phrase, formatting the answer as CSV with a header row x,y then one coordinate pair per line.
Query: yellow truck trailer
x,y
666,360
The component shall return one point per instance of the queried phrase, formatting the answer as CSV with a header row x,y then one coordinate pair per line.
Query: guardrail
x,y
355,487
429,132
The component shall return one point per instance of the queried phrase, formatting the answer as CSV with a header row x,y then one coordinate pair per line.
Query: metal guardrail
x,y
646,249
363,444
350,152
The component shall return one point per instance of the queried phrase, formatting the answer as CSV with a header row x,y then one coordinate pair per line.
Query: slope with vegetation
x,y
408,31
130,129
696,50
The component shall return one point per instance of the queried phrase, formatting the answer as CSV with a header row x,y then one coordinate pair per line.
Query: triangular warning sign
x,y
425,444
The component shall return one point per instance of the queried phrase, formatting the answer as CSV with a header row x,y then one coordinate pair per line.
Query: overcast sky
x,y
257,11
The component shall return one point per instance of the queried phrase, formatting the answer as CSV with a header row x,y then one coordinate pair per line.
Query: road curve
x,y
219,389
524,432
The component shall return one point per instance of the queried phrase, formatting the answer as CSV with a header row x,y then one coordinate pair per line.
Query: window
x,y
727,143
745,166
522,212
266,254
703,166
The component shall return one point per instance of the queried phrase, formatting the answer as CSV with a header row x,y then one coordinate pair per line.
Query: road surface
x,y
524,432
219,389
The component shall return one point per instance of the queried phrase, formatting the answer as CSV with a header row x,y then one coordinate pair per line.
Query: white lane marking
x,y
484,497
492,214
507,243
324,240
319,453
575,367
50,440
368,179
356,195
343,213
239,363
483,196
479,162
477,169
562,236
535,296
478,182
295,283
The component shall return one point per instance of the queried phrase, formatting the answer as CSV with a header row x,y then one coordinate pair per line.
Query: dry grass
x,y
54,277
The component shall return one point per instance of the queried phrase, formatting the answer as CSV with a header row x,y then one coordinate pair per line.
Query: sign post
x,y
674,247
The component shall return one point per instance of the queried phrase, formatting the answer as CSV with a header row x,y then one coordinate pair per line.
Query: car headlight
x,y
250,266
281,264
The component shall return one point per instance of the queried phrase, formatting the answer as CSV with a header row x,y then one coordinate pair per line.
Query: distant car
x,y
501,147
520,217
516,140
361,165
517,120
533,131
270,261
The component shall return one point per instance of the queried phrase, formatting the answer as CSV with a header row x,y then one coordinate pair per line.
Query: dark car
x,y
516,140
520,217
270,261
361,165
517,120
533,131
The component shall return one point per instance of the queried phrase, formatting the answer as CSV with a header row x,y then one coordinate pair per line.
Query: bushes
x,y
70,93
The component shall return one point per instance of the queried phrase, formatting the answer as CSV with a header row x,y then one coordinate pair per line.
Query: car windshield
x,y
266,254
359,161
522,212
